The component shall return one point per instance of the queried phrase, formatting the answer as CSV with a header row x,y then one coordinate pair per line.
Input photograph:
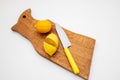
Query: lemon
x,y
52,39
51,44
43,26
49,49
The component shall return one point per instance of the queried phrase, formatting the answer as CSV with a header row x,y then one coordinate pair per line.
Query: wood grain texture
x,y
82,46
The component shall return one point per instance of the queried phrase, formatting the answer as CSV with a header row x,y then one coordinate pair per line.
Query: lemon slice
x,y
51,44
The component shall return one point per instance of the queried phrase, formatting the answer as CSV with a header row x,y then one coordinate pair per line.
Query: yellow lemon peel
x,y
43,26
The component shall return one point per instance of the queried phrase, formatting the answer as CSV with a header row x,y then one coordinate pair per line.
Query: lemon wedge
x,y
43,26
51,44
52,39
49,49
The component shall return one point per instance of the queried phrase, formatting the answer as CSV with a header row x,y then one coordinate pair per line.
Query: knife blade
x,y
66,43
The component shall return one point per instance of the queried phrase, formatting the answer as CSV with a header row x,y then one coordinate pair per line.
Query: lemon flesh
x,y
49,49
51,44
43,26
52,39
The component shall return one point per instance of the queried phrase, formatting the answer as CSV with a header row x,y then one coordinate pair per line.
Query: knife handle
x,y
71,61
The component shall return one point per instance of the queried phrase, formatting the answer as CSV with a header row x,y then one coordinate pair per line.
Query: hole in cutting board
x,y
24,16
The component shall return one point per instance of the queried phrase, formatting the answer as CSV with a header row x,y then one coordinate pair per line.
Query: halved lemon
x,y
51,44
49,48
52,39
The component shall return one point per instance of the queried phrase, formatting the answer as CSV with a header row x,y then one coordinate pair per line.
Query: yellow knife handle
x,y
71,61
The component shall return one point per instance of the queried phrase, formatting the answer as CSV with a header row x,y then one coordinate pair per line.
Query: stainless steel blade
x,y
62,35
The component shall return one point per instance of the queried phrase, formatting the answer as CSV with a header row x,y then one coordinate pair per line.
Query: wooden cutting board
x,y
81,49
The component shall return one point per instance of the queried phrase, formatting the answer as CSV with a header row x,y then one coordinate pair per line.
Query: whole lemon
x,y
43,26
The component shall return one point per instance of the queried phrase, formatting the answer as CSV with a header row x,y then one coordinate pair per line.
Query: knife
x,y
66,43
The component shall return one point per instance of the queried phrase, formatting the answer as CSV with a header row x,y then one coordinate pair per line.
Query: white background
x,y
99,19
